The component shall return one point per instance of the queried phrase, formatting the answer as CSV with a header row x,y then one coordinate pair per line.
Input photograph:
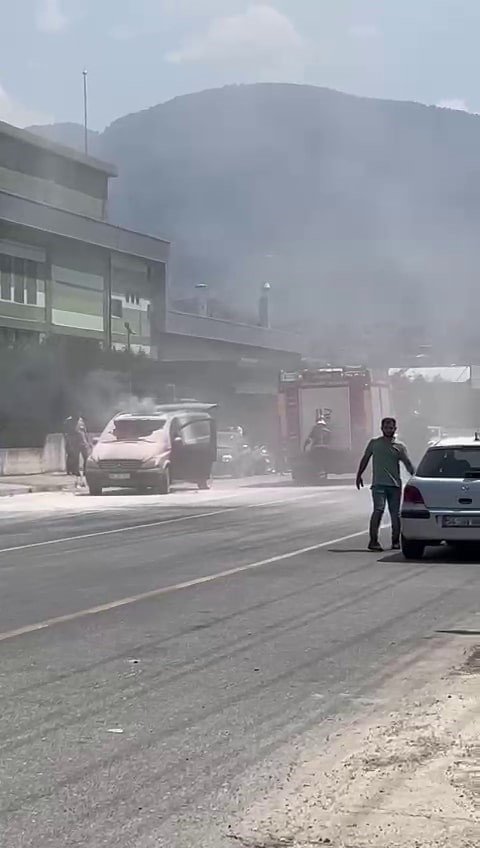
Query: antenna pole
x,y
85,111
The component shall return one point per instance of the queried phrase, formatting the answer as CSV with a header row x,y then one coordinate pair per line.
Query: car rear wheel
x,y
95,490
412,548
163,487
203,484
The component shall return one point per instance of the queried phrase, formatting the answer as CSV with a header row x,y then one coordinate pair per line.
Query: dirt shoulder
x,y
405,775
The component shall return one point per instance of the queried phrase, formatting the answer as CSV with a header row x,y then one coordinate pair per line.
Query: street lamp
x,y
85,112
130,333
264,306
202,299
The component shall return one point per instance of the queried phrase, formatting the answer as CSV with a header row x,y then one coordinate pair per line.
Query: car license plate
x,y
119,476
460,521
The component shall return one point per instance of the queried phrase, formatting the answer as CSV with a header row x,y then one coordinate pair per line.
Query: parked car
x,y
441,502
263,462
151,451
235,457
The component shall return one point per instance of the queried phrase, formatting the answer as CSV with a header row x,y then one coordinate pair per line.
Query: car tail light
x,y
413,496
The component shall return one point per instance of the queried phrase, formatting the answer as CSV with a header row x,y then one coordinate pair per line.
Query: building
x,y
64,270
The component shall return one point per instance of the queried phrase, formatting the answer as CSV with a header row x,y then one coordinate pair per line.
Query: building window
x,y
18,280
31,282
5,277
117,308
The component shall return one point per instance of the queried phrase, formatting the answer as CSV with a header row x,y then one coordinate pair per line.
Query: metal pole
x,y
108,304
85,111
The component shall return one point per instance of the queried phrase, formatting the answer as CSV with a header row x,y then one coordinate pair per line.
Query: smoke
x,y
362,214
103,394
451,406
40,387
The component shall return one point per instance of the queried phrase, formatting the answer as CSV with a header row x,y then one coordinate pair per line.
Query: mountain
x,y
363,214
72,135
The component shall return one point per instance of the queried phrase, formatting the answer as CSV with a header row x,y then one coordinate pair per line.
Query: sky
x,y
142,52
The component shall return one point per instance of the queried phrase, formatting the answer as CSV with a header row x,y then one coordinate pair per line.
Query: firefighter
x,y
319,435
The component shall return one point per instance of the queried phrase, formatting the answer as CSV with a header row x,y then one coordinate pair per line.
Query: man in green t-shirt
x,y
387,454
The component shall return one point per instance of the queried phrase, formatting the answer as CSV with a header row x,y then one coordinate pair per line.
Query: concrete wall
x,y
47,191
24,461
32,166
23,212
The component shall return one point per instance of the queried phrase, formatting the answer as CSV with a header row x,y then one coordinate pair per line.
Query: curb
x,y
15,489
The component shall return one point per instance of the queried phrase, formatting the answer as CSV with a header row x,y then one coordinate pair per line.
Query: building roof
x,y
222,330
449,373
48,219
56,149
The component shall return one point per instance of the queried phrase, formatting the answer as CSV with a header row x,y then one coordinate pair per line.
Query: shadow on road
x,y
440,555
455,632
348,551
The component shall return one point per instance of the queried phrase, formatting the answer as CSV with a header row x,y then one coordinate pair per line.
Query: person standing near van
x,y
72,453
77,444
386,454
84,446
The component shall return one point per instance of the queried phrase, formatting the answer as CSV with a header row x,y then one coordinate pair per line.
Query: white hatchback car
x,y
441,502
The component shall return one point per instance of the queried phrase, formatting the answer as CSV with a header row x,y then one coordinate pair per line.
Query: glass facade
x,y
77,299
67,288
18,280
5,277
131,296
31,275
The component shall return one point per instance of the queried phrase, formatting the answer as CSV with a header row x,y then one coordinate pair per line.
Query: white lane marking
x,y
167,590
155,523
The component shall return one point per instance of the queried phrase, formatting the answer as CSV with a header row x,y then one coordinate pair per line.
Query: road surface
x,y
162,659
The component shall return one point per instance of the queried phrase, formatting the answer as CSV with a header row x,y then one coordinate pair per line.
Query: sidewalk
x,y
401,771
26,483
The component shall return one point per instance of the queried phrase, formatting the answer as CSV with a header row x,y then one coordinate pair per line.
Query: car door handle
x,y
465,500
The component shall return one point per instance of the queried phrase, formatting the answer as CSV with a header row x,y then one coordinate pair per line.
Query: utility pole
x,y
130,333
85,111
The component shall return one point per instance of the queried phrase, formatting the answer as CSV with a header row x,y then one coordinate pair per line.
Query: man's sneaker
x,y
395,546
375,546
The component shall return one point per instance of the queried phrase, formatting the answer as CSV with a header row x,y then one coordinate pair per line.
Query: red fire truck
x,y
352,402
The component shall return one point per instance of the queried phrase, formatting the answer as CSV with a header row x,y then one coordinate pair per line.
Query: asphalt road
x,y
162,659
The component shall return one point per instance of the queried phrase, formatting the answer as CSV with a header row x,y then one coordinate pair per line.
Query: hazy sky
x,y
141,52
